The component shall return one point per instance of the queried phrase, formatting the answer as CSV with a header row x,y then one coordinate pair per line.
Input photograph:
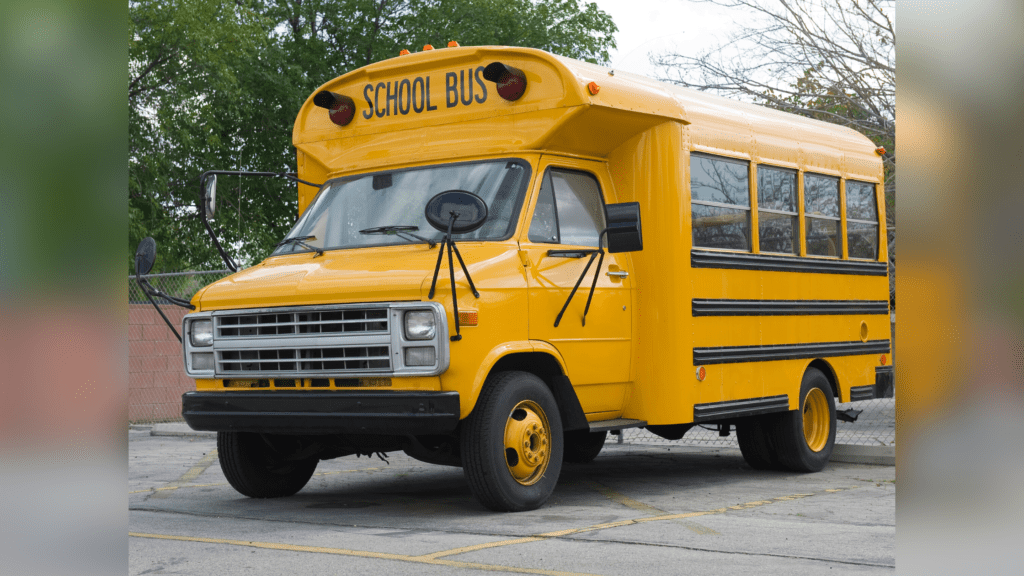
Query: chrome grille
x,y
368,320
351,358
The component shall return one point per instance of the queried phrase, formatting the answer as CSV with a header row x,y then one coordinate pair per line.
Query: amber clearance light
x,y
511,82
340,108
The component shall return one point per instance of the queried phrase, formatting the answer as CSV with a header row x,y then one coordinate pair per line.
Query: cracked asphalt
x,y
666,509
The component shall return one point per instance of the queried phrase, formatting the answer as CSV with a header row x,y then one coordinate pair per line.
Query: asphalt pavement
x,y
637,509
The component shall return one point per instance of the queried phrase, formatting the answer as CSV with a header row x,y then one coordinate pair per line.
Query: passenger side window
x,y
821,208
569,209
778,223
720,202
861,220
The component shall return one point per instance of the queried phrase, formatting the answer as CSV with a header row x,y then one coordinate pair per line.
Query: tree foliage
x,y
216,84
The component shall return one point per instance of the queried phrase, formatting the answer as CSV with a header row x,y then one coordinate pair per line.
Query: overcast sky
x,y
660,26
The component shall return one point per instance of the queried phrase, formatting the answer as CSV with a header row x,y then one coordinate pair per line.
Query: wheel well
x,y
829,373
543,365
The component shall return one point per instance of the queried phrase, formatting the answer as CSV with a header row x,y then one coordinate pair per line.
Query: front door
x,y
568,215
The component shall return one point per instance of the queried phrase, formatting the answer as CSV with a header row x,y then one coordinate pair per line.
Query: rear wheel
x,y
804,438
754,438
257,466
582,446
512,443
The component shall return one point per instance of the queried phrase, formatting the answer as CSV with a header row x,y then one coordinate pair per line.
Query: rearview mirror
x,y
210,195
624,227
145,256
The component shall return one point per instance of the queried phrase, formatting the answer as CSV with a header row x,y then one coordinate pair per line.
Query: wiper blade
x,y
404,232
301,241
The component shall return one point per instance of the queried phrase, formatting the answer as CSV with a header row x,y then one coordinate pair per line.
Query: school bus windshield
x,y
365,210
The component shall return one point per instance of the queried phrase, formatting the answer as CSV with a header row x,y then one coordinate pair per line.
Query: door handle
x,y
618,274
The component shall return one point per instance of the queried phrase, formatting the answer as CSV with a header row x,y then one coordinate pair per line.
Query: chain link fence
x,y
157,377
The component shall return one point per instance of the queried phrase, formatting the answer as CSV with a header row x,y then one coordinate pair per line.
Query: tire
x,y
582,446
512,443
754,438
804,438
255,469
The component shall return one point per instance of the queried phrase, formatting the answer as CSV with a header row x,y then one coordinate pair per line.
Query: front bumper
x,y
323,412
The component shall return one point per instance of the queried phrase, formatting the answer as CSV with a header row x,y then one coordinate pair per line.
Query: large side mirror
x,y
462,211
145,256
624,233
210,195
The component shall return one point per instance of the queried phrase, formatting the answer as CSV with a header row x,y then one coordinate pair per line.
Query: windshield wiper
x,y
404,232
301,241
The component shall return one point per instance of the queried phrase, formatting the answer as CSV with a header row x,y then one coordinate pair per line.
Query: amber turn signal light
x,y
468,317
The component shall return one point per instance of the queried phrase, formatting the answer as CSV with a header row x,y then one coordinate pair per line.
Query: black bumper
x,y
323,412
885,378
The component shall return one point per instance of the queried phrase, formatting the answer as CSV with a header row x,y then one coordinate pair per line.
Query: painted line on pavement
x,y
358,553
641,507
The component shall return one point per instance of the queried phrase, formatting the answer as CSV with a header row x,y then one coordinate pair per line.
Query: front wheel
x,y
262,466
512,443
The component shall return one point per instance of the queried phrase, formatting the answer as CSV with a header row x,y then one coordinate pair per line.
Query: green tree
x,y
219,84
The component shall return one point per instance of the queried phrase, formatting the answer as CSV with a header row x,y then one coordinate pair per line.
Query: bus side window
x,y
720,202
569,210
861,220
821,208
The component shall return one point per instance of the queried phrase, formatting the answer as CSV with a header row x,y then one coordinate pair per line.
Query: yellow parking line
x,y
358,553
476,547
199,468
641,507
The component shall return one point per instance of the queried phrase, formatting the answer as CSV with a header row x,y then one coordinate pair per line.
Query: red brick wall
x,y
156,376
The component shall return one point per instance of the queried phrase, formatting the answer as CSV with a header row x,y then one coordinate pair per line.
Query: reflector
x,y
340,108
510,81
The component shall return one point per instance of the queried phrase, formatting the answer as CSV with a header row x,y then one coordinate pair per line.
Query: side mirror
x,y
145,255
210,195
624,227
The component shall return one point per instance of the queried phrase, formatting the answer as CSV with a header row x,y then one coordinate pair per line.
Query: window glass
x,y
863,239
823,237
776,189
544,227
860,201
569,210
778,232
717,227
720,180
821,195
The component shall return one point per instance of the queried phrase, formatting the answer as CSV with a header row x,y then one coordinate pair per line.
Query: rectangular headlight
x,y
420,356
419,325
202,361
201,333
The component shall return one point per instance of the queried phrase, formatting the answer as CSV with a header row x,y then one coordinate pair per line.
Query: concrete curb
x,y
179,429
860,454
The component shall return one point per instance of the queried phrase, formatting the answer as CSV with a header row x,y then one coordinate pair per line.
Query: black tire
x,y
788,436
488,469
582,446
754,438
256,469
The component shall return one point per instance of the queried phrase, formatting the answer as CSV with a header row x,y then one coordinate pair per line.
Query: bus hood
x,y
392,273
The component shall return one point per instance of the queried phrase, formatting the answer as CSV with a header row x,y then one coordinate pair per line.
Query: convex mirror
x,y
145,256
624,233
210,195
468,209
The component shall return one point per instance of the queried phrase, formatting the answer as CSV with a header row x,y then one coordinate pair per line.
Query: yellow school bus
x,y
502,255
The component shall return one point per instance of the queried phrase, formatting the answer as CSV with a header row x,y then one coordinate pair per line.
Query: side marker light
x,y
593,88
883,359
340,108
880,150
468,317
701,373
453,44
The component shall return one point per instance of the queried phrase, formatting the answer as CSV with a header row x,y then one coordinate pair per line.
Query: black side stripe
x,y
733,354
739,408
739,261
711,307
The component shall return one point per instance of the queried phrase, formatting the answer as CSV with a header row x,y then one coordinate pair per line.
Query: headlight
x,y
419,325
419,356
201,333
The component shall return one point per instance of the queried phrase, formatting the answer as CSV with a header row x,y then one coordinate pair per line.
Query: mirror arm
x,y
597,272
145,287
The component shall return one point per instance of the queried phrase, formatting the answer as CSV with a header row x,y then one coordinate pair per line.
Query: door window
x,y
569,209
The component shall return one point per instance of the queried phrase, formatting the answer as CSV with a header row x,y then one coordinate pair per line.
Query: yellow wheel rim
x,y
527,442
817,420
